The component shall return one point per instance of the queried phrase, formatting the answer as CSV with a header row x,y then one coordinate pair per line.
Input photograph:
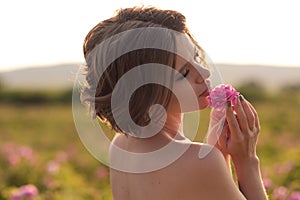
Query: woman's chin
x,y
203,103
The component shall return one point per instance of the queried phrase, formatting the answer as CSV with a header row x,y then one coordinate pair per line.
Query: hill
x,y
62,76
40,78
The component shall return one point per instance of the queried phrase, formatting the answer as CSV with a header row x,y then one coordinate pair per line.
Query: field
x,y
39,146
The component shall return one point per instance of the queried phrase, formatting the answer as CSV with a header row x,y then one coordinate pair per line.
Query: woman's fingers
x,y
243,128
256,118
248,112
241,116
223,137
233,123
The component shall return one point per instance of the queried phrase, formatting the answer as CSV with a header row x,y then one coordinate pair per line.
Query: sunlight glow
x,y
46,32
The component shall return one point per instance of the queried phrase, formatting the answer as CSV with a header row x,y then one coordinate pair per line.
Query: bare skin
x,y
189,177
186,178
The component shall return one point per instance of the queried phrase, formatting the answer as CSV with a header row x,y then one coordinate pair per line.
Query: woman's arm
x,y
241,145
217,126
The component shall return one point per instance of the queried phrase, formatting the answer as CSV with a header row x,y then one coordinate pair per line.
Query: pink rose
x,y
295,195
221,94
29,191
26,191
267,183
101,172
280,193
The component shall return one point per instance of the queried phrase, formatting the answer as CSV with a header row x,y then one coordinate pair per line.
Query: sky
x,y
36,33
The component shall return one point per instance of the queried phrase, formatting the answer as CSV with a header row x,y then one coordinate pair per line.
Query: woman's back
x,y
186,178
159,72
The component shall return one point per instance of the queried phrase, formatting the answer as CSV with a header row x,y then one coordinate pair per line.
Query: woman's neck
x,y
173,125
172,130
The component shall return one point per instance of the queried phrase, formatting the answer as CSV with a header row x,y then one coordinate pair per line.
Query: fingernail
x,y
224,123
241,97
229,104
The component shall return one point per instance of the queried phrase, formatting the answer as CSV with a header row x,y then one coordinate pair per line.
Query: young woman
x,y
150,156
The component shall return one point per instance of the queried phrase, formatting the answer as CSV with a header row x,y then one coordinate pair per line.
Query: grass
x,y
48,129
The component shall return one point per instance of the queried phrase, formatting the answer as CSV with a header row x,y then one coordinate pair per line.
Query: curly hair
x,y
147,95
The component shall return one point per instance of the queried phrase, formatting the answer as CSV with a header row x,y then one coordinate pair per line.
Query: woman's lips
x,y
204,94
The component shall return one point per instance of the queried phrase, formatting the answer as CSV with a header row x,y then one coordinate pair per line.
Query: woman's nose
x,y
204,74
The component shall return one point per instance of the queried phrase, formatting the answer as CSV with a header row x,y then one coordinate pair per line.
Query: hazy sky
x,y
35,32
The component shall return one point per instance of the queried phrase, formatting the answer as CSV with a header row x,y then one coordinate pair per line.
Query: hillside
x,y
62,76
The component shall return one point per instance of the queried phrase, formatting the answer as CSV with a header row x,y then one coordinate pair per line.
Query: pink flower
x,y
15,195
26,152
62,157
15,155
52,167
284,167
221,94
27,191
280,193
13,159
267,183
101,172
295,195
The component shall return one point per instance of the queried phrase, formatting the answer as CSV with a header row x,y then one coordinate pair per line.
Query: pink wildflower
x,y
280,193
15,155
13,159
295,195
26,152
24,192
101,172
52,167
221,94
61,157
15,195
267,183
284,167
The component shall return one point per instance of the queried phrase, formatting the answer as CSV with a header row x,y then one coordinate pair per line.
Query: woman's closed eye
x,y
185,72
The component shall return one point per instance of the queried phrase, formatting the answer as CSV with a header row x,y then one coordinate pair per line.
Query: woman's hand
x,y
243,125
240,142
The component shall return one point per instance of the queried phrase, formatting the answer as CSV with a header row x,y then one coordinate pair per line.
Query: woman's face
x,y
193,76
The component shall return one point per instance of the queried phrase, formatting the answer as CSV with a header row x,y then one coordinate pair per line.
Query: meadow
x,y
41,155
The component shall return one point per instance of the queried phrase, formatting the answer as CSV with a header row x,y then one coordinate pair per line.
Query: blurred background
x,y
255,46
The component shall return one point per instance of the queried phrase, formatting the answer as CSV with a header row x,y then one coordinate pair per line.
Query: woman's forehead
x,y
185,48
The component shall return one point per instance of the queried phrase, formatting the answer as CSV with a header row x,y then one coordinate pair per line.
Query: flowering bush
x,y
24,192
284,182
25,176
47,153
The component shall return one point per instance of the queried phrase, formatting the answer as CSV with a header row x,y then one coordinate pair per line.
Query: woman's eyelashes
x,y
185,72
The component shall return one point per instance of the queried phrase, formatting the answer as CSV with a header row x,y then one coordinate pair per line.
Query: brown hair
x,y
147,95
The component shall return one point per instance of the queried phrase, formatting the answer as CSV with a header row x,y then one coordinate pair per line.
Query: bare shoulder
x,y
209,165
209,176
213,158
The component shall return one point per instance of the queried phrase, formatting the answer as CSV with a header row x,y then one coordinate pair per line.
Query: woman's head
x,y
144,97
